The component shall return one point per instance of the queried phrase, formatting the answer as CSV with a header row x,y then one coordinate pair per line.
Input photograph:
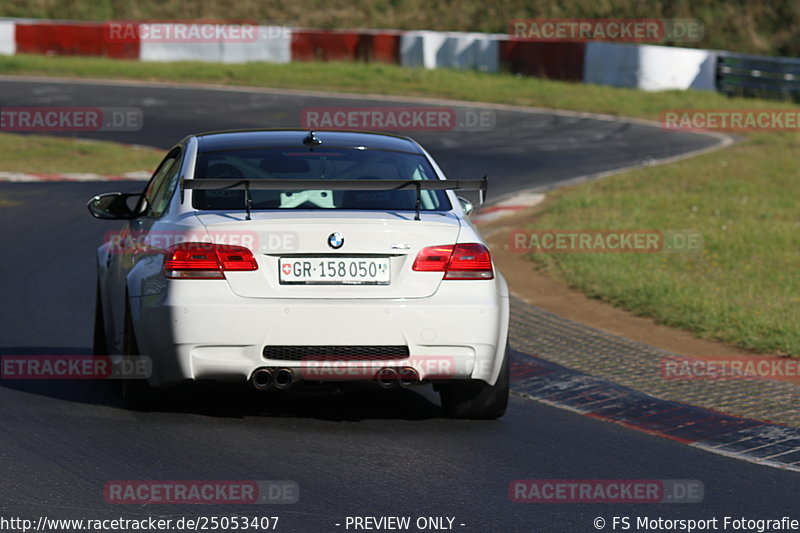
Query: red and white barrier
x,y
453,50
71,39
645,67
159,51
271,44
8,43
648,67
551,60
356,45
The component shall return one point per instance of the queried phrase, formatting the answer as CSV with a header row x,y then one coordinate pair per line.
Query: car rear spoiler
x,y
203,184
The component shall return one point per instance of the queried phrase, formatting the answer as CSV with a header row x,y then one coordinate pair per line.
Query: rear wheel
x,y
136,393
477,399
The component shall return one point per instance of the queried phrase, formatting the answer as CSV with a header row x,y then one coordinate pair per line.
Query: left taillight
x,y
200,260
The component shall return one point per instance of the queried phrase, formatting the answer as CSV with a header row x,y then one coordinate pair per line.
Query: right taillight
x,y
462,261
200,260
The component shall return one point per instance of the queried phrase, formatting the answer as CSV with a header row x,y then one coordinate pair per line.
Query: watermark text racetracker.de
x,y
682,368
553,241
202,492
16,367
606,491
731,120
400,372
46,119
647,30
398,118
45,524
141,242
191,32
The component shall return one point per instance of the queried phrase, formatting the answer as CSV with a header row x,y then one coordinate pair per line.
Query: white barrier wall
x,y
272,44
163,51
418,48
454,50
648,67
8,42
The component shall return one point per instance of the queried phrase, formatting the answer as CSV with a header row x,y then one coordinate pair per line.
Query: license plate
x,y
334,271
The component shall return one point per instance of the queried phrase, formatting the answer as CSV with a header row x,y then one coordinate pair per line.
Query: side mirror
x,y
466,205
117,206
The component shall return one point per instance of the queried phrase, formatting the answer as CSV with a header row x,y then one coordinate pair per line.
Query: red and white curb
x,y
746,439
25,177
507,207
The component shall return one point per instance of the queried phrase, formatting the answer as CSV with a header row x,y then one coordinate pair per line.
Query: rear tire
x,y
476,399
137,394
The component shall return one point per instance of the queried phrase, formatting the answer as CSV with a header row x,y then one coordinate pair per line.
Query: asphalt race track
x,y
524,150
361,454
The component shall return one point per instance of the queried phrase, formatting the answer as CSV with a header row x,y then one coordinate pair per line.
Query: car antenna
x,y
312,140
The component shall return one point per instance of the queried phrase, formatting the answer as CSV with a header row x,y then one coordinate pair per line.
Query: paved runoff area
x,y
598,374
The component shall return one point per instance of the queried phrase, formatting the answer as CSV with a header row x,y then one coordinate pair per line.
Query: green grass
x,y
744,289
758,26
40,153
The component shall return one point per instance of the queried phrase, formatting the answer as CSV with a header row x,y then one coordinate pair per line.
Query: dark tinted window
x,y
320,164
162,184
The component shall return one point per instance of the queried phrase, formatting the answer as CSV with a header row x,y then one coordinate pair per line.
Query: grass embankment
x,y
756,26
744,286
44,154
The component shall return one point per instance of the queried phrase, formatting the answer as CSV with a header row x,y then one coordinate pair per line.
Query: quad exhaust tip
x,y
386,377
283,378
408,376
389,377
261,379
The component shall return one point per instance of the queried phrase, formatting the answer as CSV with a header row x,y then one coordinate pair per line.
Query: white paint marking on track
x,y
24,177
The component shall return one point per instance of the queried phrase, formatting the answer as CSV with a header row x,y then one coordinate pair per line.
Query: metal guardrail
x,y
758,76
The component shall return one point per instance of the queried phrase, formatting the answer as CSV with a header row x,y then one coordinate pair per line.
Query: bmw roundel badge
x,y
335,240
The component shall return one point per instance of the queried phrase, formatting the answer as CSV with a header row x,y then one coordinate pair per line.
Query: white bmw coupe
x,y
291,258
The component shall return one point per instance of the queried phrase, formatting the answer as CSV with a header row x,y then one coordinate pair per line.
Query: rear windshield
x,y
321,164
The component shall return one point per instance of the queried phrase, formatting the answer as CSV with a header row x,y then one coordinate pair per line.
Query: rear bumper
x,y
199,329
